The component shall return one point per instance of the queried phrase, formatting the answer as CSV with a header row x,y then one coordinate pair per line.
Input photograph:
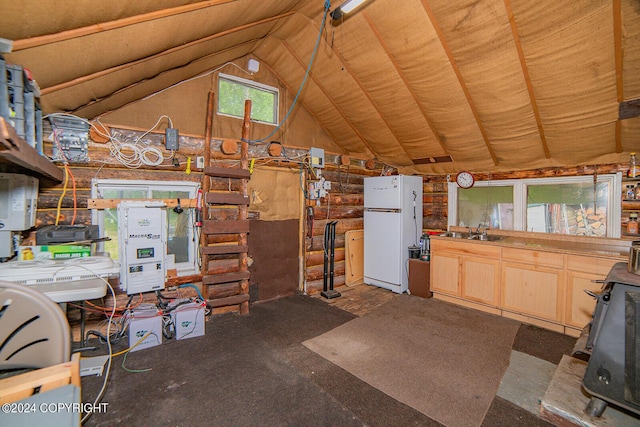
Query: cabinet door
x,y
580,305
533,290
481,279
445,270
582,272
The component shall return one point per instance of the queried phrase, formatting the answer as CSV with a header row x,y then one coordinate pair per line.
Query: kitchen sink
x,y
487,237
456,234
472,236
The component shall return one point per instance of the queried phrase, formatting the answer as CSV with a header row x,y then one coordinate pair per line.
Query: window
x,y
233,91
182,239
569,205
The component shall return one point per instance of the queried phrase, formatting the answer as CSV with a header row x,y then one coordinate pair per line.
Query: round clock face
x,y
465,179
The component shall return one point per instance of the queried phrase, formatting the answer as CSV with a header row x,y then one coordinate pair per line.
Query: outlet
x,y
200,162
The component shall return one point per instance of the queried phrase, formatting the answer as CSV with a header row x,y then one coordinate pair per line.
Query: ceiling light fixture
x,y
345,8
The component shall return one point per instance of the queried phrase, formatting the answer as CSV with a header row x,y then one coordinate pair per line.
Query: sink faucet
x,y
483,227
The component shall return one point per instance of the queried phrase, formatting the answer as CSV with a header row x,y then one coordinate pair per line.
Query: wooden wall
x,y
344,203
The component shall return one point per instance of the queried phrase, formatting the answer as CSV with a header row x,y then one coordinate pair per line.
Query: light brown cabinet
x,y
445,276
465,270
583,273
480,280
545,288
533,290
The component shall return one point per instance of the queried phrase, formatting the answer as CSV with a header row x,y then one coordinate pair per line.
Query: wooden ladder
x,y
227,286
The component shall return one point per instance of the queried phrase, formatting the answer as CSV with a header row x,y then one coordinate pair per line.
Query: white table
x,y
77,290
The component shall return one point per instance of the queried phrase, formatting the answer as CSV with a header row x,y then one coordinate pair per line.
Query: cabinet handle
x,y
591,293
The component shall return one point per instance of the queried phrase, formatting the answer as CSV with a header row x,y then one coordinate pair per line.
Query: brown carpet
x,y
443,360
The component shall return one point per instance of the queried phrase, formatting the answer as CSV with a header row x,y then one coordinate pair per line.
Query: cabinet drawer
x,y
593,265
526,256
466,248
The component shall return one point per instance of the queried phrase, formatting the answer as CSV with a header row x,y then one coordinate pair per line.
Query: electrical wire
x,y
64,192
75,200
134,154
327,5
110,351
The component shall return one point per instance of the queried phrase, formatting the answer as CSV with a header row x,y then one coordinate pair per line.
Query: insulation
x,y
498,85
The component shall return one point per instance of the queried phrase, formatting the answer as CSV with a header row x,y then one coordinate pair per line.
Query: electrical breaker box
x,y
142,233
71,139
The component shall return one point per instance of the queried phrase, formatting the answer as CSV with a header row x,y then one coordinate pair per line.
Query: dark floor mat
x,y
543,343
504,413
253,370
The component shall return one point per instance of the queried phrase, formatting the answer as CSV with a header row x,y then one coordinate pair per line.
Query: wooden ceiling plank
x,y
32,42
617,46
527,78
111,70
395,64
458,74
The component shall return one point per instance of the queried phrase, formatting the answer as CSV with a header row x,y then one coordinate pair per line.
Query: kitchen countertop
x,y
576,245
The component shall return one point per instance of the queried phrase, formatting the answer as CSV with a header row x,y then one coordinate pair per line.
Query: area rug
x,y
443,360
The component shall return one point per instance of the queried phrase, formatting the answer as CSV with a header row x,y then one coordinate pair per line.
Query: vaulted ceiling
x,y
429,86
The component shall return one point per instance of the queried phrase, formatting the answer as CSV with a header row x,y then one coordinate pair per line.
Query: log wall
x,y
344,203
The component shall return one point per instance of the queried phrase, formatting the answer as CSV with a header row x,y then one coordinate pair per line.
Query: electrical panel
x,y
316,156
71,139
18,201
142,234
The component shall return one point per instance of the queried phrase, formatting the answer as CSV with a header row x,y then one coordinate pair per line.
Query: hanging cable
x,y
64,191
327,5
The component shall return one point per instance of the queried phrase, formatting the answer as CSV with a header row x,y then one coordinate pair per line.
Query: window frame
x,y
98,215
250,84
614,205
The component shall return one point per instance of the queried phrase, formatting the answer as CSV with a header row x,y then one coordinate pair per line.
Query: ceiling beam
x,y
617,47
111,70
32,42
458,74
78,110
527,78
304,67
395,64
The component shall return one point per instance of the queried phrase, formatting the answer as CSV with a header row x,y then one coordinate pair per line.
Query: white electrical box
x,y
142,233
145,325
316,156
18,200
189,320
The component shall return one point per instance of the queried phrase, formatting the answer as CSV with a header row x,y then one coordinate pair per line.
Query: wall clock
x,y
465,179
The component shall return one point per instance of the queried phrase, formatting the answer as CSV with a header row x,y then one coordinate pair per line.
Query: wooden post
x,y
206,185
244,209
207,140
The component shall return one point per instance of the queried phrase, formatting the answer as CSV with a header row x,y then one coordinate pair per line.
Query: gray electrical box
x,y
316,156
171,139
72,136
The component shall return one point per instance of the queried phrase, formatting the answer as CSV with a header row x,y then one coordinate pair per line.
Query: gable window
x,y
233,91
182,238
565,205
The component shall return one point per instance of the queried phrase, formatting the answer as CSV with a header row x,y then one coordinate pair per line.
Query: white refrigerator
x,y
392,223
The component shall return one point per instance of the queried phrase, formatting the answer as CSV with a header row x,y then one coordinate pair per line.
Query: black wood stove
x,y
613,371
